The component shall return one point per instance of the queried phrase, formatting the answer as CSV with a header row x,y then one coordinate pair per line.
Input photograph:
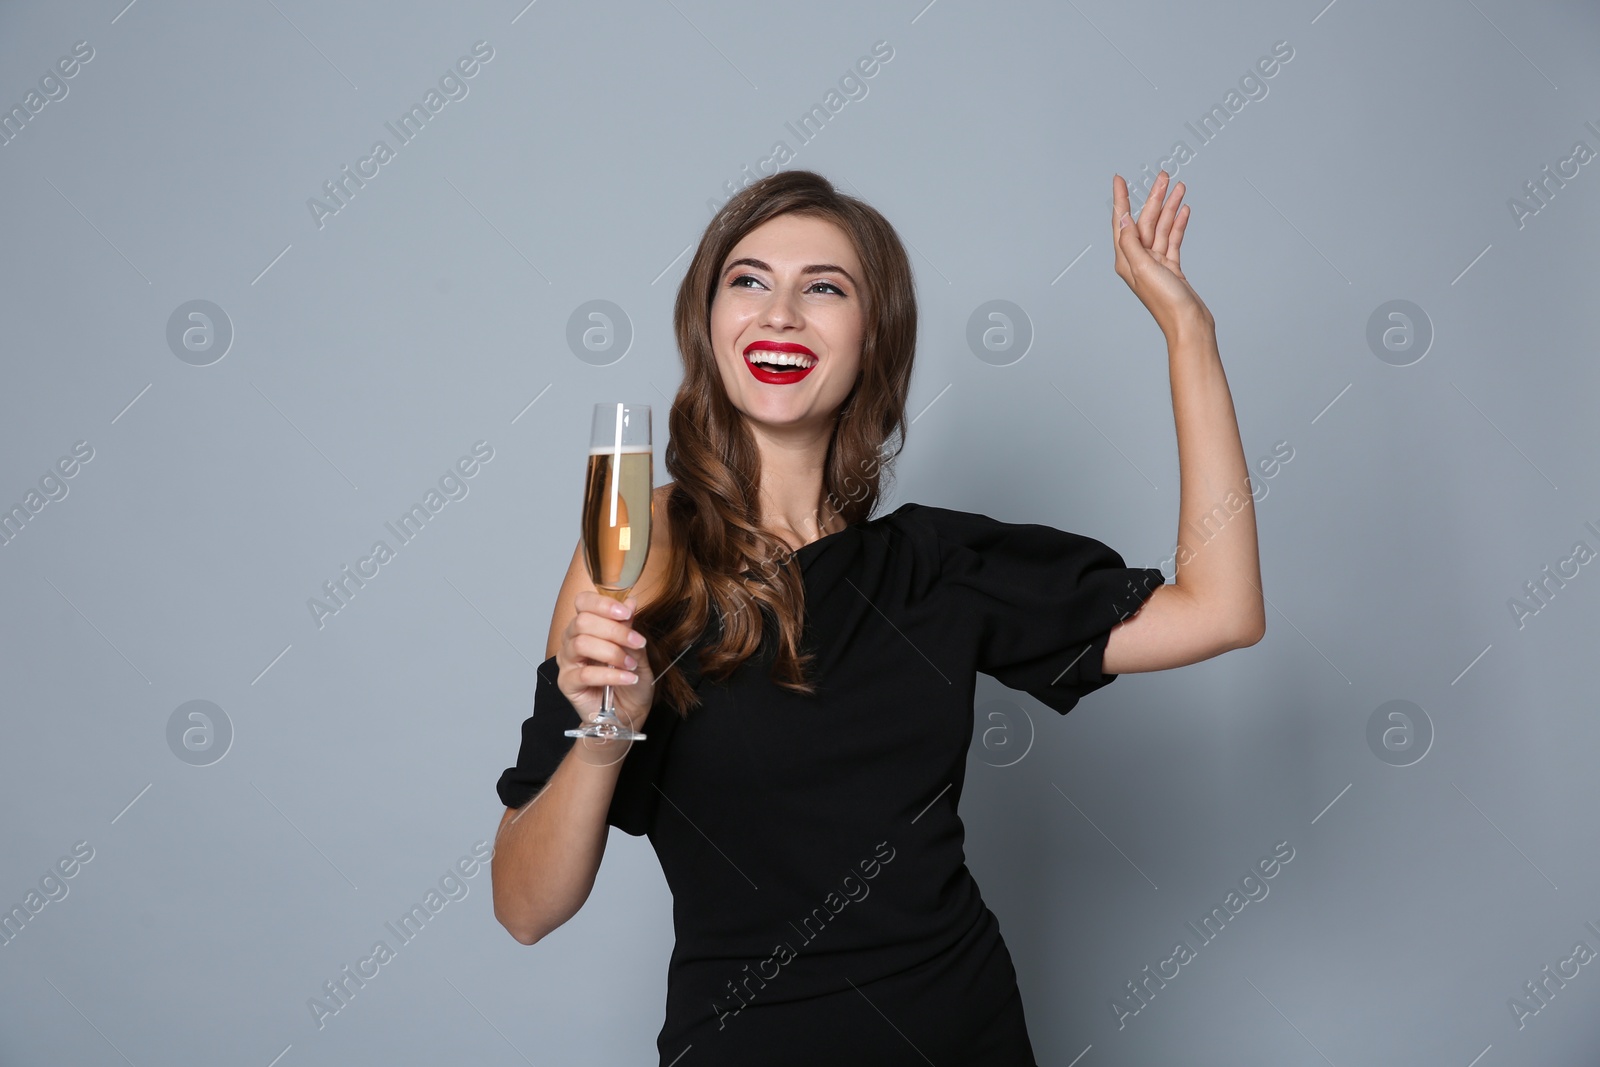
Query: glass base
x,y
607,730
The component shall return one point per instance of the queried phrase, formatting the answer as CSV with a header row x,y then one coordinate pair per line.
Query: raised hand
x,y
1147,256
595,651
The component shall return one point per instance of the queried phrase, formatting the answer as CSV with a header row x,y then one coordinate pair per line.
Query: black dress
x,y
822,906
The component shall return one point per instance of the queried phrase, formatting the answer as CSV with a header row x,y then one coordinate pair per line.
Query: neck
x,y
791,496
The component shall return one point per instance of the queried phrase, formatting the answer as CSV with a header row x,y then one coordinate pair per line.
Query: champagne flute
x,y
616,523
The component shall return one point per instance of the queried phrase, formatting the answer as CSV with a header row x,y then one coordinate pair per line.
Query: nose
x,y
782,310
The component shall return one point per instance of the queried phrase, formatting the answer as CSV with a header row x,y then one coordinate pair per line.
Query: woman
x,y
817,666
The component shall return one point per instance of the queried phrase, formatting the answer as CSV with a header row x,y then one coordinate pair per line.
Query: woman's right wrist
x,y
600,753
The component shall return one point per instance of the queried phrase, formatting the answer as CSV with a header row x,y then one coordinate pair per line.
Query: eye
x,y
736,283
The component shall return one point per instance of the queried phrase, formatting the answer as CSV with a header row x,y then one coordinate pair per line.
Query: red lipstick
x,y
770,376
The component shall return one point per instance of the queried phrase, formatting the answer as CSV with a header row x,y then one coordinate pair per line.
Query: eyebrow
x,y
815,268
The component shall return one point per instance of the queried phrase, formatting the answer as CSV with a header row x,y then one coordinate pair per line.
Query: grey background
x,y
432,311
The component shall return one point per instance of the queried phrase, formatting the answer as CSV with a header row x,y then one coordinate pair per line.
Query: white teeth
x,y
789,359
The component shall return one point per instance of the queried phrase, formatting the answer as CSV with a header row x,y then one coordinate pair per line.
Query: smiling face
x,y
790,291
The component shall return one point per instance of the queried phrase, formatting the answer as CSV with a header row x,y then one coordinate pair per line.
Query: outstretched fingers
x,y
1148,219
1175,238
1169,211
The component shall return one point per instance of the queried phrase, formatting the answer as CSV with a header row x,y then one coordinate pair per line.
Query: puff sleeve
x,y
544,746
1036,603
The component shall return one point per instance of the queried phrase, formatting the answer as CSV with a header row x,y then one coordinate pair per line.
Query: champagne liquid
x,y
616,517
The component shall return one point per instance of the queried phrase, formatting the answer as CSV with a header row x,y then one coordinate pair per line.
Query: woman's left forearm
x,y
1218,564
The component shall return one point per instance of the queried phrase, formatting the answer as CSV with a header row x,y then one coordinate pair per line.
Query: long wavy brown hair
x,y
723,564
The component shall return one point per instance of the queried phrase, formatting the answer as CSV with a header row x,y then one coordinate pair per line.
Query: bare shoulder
x,y
650,580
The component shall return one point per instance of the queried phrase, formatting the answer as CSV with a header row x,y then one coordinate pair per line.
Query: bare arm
x,y
1215,602
547,853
